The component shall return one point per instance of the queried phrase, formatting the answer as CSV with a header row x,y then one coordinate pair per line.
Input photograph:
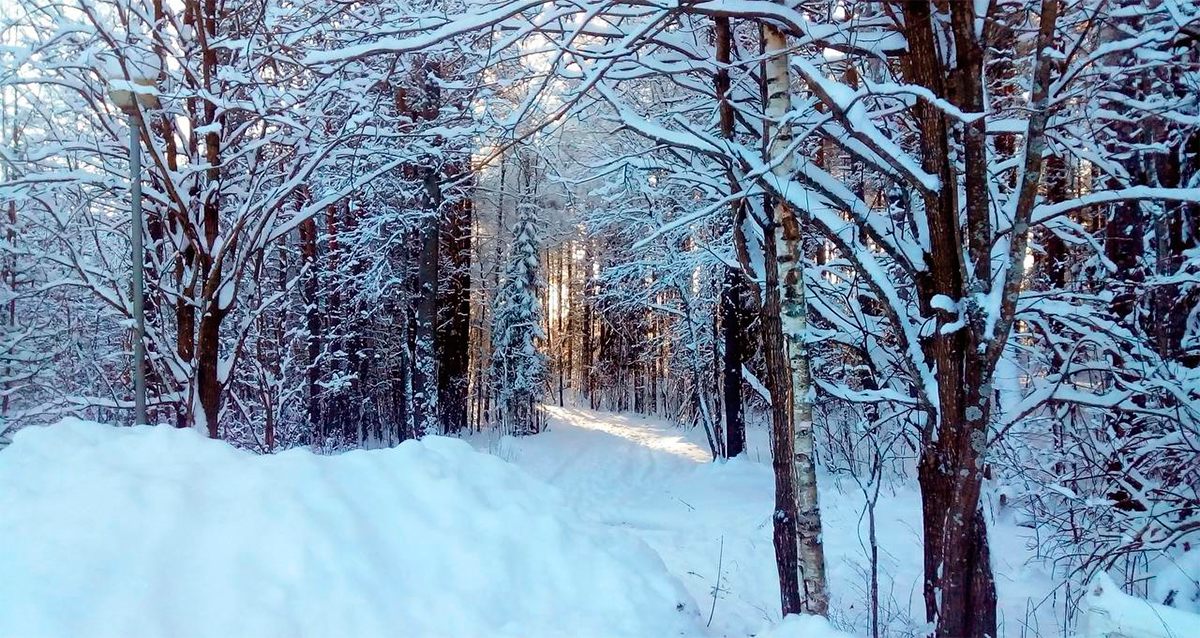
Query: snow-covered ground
x,y
657,481
604,525
161,533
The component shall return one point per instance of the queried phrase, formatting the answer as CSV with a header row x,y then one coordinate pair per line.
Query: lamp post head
x,y
128,94
133,72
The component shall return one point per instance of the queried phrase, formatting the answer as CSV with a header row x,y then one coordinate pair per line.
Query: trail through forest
x,y
657,481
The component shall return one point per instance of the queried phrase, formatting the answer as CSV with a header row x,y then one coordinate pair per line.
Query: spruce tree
x,y
518,367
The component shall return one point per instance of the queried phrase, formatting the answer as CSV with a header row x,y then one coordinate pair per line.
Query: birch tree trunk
x,y
794,323
783,520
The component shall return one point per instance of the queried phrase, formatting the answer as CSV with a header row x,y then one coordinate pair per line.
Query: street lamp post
x,y
129,97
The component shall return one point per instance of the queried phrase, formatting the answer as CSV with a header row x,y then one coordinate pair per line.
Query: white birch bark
x,y
794,319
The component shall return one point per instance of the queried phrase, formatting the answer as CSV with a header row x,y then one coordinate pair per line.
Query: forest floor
x,y
657,481
604,525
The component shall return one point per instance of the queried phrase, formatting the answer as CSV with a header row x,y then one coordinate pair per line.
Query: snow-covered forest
x,y
788,318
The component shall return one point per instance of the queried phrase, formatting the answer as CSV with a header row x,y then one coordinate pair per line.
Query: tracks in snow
x,y
658,482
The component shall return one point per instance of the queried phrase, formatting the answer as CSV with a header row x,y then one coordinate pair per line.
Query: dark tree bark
x,y
357,346
210,387
1175,232
734,309
185,320
497,263
312,315
1123,245
779,377
425,391
425,365
402,380
564,345
454,307
734,330
1056,258
959,591
587,354
572,320
334,410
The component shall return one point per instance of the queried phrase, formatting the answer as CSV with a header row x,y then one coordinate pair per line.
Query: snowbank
x,y
1177,579
802,626
1111,613
159,532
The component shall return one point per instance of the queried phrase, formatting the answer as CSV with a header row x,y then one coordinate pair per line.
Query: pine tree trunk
x,y
308,253
572,321
425,391
404,417
354,397
733,312
334,410
564,346
453,330
734,328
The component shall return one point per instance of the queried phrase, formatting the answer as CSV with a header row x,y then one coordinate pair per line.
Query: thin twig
x,y
717,587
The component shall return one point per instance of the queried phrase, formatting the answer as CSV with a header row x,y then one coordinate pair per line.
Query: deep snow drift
x,y
159,532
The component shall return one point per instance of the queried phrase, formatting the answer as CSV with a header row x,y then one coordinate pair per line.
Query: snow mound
x,y
153,531
802,626
1109,612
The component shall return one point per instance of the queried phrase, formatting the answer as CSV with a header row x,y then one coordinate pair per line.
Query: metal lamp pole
x,y
128,98
139,257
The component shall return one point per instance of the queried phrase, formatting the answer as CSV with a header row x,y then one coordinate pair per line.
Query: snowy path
x,y
656,481
659,483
